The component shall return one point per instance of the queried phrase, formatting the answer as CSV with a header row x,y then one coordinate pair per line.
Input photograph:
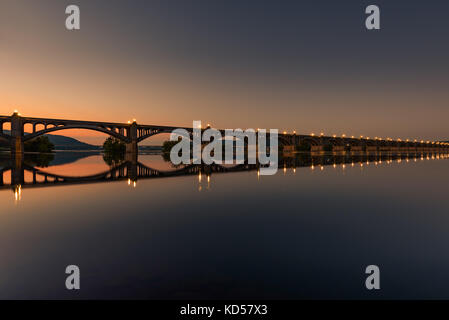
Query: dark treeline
x,y
40,144
114,151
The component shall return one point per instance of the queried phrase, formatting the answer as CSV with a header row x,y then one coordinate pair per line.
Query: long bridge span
x,y
132,134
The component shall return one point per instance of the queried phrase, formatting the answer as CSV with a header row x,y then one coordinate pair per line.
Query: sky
x,y
309,66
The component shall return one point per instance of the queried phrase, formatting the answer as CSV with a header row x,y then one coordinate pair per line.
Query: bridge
x,y
132,134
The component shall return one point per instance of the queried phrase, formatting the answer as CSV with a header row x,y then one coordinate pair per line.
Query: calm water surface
x,y
307,232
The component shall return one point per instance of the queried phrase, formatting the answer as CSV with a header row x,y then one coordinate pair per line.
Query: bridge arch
x,y
310,141
336,142
76,126
152,132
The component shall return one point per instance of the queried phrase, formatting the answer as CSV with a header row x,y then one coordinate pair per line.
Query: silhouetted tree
x,y
40,144
168,145
114,151
39,160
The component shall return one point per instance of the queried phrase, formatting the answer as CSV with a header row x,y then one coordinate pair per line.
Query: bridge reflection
x,y
132,171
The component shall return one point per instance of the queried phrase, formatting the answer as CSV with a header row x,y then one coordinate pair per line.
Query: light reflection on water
x,y
307,232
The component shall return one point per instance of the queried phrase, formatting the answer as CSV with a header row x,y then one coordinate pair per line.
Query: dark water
x,y
307,232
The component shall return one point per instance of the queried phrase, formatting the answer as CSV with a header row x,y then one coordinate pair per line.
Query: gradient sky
x,y
304,65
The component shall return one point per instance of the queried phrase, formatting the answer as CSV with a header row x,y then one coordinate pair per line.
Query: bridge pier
x,y
16,135
132,171
132,149
318,148
356,149
17,173
372,149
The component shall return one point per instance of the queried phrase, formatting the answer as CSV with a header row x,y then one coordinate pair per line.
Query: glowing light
x,y
134,120
343,135
134,184
18,192
199,177
312,134
334,135
322,134
129,182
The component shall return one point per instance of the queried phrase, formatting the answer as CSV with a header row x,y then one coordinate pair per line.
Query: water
x,y
307,232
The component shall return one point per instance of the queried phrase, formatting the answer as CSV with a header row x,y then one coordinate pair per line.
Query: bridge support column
x,y
16,135
132,170
132,148
17,173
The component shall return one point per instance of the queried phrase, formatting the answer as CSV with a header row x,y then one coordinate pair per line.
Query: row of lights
x,y
361,137
422,158
376,138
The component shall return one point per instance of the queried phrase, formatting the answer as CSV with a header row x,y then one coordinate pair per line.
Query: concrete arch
x,y
310,141
355,143
146,136
97,176
336,142
371,143
75,126
283,140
